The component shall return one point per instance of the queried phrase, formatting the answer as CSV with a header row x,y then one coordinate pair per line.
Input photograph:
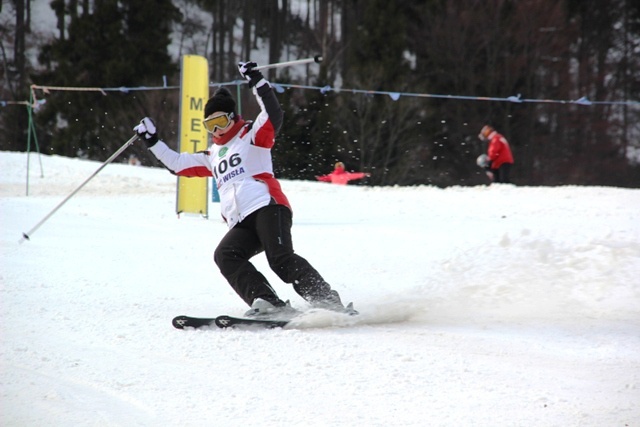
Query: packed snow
x,y
495,305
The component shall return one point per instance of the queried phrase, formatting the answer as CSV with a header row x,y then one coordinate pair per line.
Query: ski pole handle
x,y
317,59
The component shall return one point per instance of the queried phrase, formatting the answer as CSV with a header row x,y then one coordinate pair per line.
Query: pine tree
x,y
113,45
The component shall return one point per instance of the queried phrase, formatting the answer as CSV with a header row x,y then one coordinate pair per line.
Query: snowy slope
x,y
485,306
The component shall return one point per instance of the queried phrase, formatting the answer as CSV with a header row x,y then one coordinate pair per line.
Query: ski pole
x,y
25,236
317,59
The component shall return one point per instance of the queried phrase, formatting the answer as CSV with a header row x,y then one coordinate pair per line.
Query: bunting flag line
x,y
280,87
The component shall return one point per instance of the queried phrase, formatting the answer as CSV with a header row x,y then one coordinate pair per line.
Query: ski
x,y
181,322
232,322
224,321
310,318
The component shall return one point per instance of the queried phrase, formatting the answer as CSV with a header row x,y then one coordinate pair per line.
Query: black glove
x,y
147,132
253,76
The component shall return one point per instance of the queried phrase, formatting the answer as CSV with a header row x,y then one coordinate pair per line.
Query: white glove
x,y
146,131
483,161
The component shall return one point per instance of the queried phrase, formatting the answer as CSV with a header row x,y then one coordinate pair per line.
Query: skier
x,y
256,210
340,176
498,159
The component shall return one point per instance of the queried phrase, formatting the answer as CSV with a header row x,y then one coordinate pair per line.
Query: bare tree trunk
x,y
230,59
27,23
19,45
323,24
58,8
275,35
247,18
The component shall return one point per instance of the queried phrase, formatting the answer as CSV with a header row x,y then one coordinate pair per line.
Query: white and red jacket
x,y
240,161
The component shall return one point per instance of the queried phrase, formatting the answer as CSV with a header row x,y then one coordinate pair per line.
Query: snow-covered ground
x,y
480,306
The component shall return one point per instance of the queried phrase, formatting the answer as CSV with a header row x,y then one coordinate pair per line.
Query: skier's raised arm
x,y
181,164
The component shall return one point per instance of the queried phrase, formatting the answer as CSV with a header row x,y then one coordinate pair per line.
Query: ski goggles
x,y
218,121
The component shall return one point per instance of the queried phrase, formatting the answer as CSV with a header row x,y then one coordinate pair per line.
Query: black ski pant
x,y
268,229
502,174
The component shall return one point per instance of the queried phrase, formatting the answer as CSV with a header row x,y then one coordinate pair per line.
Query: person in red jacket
x,y
499,156
340,176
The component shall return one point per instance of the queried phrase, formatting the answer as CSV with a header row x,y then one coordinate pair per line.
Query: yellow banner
x,y
194,93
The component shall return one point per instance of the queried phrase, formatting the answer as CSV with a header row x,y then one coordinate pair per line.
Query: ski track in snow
x,y
482,306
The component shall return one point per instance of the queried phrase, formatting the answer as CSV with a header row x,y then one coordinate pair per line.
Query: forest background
x,y
549,54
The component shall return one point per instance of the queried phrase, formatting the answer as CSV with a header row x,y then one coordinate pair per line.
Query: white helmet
x,y
482,160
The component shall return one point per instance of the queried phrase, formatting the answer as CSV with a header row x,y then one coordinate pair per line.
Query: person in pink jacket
x,y
499,157
255,208
340,176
